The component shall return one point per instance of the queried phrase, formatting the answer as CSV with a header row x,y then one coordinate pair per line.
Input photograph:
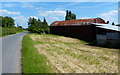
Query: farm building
x,y
81,28
85,29
107,34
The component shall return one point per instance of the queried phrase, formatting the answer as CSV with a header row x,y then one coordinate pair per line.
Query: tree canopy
x,y
113,23
37,26
70,15
7,25
7,21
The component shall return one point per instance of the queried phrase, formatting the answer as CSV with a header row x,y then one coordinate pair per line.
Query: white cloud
x,y
29,5
9,5
20,17
34,17
110,13
4,11
52,19
22,4
51,13
85,17
52,16
111,16
55,18
21,20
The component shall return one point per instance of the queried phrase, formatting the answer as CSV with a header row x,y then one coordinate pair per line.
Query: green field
x,y
58,54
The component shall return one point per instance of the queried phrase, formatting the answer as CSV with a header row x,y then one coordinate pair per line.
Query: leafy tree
x,y
39,22
70,15
30,21
67,13
37,26
7,22
67,18
45,22
113,23
73,16
107,22
33,24
20,27
1,21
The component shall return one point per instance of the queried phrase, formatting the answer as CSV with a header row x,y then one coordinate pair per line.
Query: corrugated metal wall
x,y
87,33
107,37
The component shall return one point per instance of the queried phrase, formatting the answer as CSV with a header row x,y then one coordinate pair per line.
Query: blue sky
x,y
55,11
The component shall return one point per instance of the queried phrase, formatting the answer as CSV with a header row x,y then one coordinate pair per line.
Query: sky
x,y
60,0
56,11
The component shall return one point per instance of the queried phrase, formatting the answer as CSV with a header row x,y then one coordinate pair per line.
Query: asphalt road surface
x,y
11,53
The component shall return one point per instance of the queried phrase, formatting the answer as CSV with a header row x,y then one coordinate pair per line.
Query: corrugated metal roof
x,y
78,22
108,26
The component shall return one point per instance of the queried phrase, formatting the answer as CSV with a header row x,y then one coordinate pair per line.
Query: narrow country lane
x,y
11,53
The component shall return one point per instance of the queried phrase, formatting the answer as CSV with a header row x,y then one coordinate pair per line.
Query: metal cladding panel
x,y
113,35
81,28
87,33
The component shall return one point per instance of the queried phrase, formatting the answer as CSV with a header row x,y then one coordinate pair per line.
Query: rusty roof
x,y
78,22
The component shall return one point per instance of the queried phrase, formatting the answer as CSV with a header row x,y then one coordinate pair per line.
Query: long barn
x,y
82,28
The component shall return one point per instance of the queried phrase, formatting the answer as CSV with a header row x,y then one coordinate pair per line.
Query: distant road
x,y
11,53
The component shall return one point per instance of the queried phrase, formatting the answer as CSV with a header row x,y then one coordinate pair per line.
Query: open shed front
x,y
107,35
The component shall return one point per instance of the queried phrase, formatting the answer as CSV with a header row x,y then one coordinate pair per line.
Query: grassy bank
x,y
66,55
32,61
9,31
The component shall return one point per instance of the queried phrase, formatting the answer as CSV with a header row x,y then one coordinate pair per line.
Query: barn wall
x,y
107,37
87,33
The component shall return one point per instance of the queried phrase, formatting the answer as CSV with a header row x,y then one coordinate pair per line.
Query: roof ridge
x,y
77,22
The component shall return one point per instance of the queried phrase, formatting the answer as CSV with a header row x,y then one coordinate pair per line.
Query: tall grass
x,y
32,61
8,31
69,55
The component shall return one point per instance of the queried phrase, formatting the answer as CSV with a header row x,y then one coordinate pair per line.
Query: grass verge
x,y
32,61
9,31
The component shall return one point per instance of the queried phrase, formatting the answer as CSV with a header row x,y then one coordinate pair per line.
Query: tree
x,y
20,27
32,24
67,13
67,18
39,22
107,22
7,22
30,21
37,26
113,23
1,21
70,15
73,16
45,22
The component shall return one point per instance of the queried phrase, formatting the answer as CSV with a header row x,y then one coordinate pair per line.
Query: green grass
x,y
9,31
32,61
67,53
76,52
